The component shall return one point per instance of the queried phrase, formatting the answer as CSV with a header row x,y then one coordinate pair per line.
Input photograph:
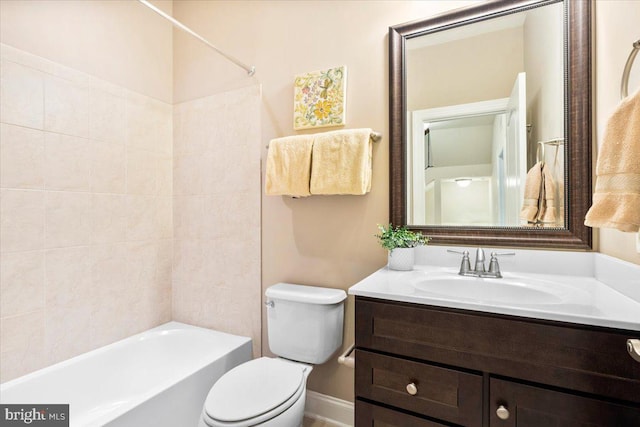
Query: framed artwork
x,y
319,98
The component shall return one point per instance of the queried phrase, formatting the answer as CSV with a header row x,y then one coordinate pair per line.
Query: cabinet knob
x,y
502,412
412,389
633,347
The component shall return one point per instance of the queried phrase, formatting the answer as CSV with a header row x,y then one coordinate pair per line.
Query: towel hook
x,y
539,151
624,85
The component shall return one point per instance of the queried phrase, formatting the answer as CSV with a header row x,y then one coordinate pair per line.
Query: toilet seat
x,y
254,392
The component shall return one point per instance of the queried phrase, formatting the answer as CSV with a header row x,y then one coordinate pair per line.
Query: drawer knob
x,y
633,347
412,389
502,412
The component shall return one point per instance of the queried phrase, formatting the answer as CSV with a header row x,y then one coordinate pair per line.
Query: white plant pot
x,y
401,259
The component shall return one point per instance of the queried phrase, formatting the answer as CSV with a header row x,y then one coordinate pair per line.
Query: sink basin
x,y
520,291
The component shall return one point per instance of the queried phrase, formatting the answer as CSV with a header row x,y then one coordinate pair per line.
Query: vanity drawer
x,y
368,415
588,359
446,394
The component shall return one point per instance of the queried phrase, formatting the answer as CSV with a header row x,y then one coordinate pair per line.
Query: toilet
x,y
304,326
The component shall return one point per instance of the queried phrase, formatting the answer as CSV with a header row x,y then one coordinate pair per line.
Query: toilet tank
x,y
304,323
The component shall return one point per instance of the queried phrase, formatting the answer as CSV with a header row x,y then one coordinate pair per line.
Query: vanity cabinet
x,y
420,365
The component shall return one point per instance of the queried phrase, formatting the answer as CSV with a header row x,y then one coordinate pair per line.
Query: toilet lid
x,y
253,388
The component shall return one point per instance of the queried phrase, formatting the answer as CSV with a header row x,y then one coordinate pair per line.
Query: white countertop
x,y
607,295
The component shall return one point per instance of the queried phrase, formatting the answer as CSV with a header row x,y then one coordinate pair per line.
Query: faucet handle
x,y
465,265
496,254
494,267
458,252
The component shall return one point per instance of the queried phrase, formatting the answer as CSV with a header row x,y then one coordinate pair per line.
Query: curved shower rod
x,y
251,69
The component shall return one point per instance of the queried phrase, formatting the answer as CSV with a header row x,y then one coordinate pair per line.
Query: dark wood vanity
x,y
421,365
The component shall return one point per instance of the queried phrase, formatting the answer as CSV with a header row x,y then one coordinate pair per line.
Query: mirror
x,y
479,97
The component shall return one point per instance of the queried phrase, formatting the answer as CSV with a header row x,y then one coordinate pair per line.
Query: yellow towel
x,y
341,162
538,207
533,184
289,166
547,214
616,200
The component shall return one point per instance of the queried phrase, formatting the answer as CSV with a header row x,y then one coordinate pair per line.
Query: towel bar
x,y
346,359
375,137
624,85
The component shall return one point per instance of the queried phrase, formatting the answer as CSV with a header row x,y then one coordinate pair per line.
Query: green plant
x,y
399,237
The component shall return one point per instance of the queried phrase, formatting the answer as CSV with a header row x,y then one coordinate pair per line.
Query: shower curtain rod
x,y
250,69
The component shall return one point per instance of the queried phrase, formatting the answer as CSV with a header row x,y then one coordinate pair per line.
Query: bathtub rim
x,y
158,388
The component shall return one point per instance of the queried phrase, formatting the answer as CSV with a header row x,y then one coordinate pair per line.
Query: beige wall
x,y
120,41
86,177
327,240
216,206
616,29
85,212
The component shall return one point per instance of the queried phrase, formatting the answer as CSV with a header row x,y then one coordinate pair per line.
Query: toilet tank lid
x,y
305,294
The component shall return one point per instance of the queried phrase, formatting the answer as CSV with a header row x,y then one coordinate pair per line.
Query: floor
x,y
309,422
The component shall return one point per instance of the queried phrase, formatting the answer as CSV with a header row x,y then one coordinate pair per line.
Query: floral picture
x,y
319,98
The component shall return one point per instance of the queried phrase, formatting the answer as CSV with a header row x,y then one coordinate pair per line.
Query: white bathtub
x,y
158,378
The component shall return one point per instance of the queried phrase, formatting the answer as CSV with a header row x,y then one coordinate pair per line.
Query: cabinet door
x,y
527,406
368,415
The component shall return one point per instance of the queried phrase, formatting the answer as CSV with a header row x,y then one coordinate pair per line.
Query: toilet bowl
x,y
262,392
304,325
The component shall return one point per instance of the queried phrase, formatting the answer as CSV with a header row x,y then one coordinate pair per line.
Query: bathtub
x,y
160,377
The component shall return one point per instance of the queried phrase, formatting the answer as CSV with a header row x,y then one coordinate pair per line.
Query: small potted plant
x,y
401,244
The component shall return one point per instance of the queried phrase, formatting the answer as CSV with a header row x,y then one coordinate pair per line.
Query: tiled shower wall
x,y
216,211
85,210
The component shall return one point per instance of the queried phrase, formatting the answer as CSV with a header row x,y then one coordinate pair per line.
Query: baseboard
x,y
329,409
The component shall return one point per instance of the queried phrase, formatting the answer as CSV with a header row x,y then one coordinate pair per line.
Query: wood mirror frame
x,y
578,132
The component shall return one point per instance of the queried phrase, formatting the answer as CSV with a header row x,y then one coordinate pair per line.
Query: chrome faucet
x,y
479,270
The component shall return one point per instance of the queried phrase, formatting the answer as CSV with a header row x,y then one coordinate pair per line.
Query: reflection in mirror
x,y
481,102
481,98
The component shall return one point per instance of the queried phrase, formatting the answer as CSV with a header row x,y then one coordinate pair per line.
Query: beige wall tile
x,y
68,280
21,282
67,163
67,219
21,220
108,168
107,119
21,157
142,172
109,277
142,218
67,332
22,100
165,175
216,205
66,106
108,218
190,173
164,217
189,263
22,343
87,262
190,134
190,221
148,124
142,264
